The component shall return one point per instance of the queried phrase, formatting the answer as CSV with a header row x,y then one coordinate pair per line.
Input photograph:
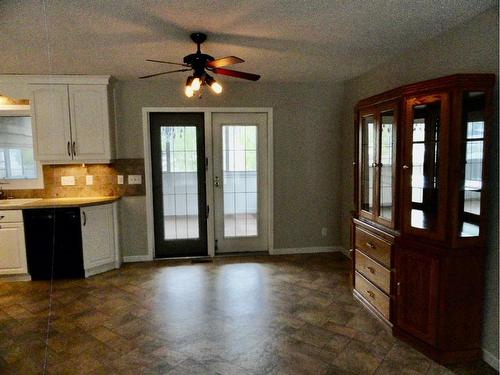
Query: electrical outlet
x,y
89,180
119,179
67,180
134,179
324,232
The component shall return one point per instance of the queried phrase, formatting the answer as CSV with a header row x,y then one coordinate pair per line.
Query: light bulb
x,y
188,90
216,87
196,84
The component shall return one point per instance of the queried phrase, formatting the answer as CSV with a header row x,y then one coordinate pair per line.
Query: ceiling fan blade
x,y
237,74
224,61
170,71
166,62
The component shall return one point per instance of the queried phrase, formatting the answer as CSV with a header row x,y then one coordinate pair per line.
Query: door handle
x,y
217,181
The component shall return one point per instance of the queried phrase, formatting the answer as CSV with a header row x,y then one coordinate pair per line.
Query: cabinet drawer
x,y
373,271
11,216
372,294
373,246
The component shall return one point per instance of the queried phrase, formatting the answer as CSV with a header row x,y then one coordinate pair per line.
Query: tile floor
x,y
238,315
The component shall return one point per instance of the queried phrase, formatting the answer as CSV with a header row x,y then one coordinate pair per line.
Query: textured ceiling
x,y
282,40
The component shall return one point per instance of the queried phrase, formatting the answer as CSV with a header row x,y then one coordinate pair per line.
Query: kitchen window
x,y
18,167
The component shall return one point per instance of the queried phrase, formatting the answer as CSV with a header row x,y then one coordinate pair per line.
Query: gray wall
x,y
307,146
470,48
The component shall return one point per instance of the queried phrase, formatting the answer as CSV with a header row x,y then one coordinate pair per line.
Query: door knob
x,y
217,181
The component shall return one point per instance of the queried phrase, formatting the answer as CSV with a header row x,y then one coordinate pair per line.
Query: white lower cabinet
x,y
12,244
98,239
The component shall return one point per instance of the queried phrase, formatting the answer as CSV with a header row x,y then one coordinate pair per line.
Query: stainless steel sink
x,y
18,202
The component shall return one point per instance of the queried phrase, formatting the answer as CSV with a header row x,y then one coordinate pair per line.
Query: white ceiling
x,y
294,40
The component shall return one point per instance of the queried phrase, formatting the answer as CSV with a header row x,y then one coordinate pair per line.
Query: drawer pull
x,y
371,294
371,269
370,245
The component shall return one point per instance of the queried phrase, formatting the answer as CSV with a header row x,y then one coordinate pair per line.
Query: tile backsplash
x,y
104,180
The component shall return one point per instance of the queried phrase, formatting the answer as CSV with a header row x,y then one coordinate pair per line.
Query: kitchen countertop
x,y
58,202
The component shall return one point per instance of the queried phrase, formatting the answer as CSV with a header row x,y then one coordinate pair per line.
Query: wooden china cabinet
x,y
418,231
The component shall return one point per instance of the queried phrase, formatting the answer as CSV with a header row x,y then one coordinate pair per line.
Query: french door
x,y
179,185
240,166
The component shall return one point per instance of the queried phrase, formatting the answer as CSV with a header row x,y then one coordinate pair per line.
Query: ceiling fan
x,y
201,64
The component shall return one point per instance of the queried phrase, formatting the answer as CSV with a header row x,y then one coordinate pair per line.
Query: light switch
x,y
134,179
67,180
119,179
89,180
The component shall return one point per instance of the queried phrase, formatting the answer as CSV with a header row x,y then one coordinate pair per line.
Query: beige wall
x,y
307,147
470,48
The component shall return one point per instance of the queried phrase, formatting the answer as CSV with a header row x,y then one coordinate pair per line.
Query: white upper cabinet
x,y
72,122
88,105
50,118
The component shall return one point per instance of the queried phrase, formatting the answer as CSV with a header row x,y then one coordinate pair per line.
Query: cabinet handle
x,y
370,245
2,217
398,288
371,269
84,218
374,165
74,148
69,148
371,294
406,167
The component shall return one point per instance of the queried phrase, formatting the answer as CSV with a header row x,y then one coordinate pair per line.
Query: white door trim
x,y
209,169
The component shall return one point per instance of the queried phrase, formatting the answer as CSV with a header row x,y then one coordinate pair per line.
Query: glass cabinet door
x,y
367,160
471,180
424,168
385,166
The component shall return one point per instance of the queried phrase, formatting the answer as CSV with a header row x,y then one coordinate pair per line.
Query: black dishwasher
x,y
54,243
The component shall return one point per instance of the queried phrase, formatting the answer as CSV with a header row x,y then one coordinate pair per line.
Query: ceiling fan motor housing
x,y
198,61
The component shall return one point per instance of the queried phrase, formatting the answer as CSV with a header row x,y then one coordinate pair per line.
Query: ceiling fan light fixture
x,y
196,83
216,87
188,89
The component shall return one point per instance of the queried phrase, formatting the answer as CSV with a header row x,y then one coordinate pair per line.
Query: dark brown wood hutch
x,y
418,231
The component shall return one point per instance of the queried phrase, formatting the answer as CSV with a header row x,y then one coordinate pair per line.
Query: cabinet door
x,y
425,165
367,163
51,122
98,235
12,249
385,165
89,122
416,293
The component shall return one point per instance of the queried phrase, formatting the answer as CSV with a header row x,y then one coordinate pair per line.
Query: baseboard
x,y
100,269
307,250
491,359
17,277
136,258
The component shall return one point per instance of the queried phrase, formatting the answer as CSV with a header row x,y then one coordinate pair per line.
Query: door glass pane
x,y
472,171
425,166
387,145
239,153
367,162
179,182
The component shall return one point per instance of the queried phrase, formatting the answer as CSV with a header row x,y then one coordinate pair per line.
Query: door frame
x,y
207,111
